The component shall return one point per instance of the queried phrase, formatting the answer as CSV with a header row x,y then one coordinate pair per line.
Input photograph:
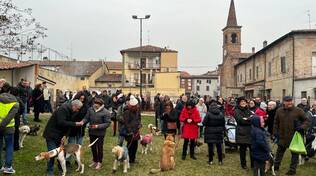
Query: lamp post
x,y
135,17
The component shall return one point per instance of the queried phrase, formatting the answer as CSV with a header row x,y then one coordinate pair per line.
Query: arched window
x,y
234,38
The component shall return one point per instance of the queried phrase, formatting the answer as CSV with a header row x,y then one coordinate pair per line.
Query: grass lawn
x,y
25,164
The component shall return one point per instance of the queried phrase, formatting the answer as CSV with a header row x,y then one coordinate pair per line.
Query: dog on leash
x,y
269,165
24,130
121,156
154,130
146,142
65,151
34,129
167,160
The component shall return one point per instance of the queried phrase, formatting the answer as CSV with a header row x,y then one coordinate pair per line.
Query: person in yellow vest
x,y
8,108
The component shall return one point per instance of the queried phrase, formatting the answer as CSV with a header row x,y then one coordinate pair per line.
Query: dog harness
x,y
146,140
125,154
4,111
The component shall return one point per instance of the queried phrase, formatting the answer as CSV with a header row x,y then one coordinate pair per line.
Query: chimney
x,y
265,43
253,49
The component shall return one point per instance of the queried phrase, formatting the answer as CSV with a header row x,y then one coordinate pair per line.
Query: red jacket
x,y
261,113
190,130
229,110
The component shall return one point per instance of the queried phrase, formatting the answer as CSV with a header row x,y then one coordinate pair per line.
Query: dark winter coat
x,y
269,122
106,100
305,108
287,121
259,144
214,123
77,117
23,92
179,107
170,117
59,123
38,100
243,116
132,121
100,117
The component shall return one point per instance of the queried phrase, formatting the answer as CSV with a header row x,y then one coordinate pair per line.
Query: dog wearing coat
x,y
167,160
65,151
24,130
121,156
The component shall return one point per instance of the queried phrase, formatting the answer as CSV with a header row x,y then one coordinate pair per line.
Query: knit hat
x,y
133,101
263,105
239,99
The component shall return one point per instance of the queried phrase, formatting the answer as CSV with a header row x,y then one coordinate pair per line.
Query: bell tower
x,y
231,33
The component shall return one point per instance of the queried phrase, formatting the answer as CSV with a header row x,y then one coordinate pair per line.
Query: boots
x,y
192,147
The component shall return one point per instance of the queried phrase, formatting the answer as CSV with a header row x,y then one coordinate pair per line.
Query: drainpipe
x,y
12,72
265,76
293,71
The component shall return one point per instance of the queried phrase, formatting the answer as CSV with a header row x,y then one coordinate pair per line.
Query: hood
x,y
255,121
7,98
214,108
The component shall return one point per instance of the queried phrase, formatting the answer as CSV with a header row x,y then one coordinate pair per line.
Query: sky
x,y
99,29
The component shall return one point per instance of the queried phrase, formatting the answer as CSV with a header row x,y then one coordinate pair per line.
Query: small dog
x,y
154,130
24,130
146,142
121,155
269,165
63,152
167,160
34,129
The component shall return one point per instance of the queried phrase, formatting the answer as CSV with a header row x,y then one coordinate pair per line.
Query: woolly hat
x,y
239,99
133,101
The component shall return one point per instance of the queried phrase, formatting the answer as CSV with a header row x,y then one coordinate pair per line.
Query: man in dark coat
x,y
214,123
288,119
58,126
243,117
106,99
304,105
24,95
156,108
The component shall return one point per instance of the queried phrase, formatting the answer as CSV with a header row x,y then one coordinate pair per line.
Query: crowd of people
x,y
259,123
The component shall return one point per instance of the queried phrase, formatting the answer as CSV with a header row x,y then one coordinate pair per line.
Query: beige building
x,y
287,66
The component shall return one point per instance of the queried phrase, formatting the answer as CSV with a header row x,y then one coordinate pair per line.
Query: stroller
x,y
230,133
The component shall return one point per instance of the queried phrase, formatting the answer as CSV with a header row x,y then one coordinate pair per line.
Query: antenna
x,y
309,18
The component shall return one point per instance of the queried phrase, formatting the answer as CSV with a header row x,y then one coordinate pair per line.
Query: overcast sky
x,y
99,29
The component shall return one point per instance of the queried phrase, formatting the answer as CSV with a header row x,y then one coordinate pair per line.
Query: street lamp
x,y
140,50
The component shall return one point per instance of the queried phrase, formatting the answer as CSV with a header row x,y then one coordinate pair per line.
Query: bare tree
x,y
18,29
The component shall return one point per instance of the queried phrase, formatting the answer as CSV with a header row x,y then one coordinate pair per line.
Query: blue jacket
x,y
259,144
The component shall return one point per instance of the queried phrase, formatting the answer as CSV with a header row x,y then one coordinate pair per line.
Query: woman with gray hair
x,y
271,109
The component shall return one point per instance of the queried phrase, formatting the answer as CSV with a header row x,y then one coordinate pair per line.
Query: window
x,y
225,39
234,38
269,69
81,78
315,93
199,81
240,77
208,81
283,93
207,88
197,88
303,94
283,65
257,72
250,74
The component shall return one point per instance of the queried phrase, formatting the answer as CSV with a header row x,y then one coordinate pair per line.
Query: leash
x,y
133,138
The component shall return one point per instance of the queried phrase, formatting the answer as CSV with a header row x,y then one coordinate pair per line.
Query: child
x,y
259,145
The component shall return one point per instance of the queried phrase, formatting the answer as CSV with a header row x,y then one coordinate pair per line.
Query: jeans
x,y
8,139
259,167
132,145
75,139
47,106
243,150
279,157
24,115
211,152
51,144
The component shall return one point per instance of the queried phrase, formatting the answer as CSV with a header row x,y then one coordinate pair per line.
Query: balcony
x,y
148,66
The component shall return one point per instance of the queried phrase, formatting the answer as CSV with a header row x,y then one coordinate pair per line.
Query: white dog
x,y
63,152
121,155
24,130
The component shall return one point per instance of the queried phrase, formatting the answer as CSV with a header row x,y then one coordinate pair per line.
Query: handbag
x,y
297,144
172,125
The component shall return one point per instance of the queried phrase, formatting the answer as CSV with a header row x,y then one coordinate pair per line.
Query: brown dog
x,y
167,161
